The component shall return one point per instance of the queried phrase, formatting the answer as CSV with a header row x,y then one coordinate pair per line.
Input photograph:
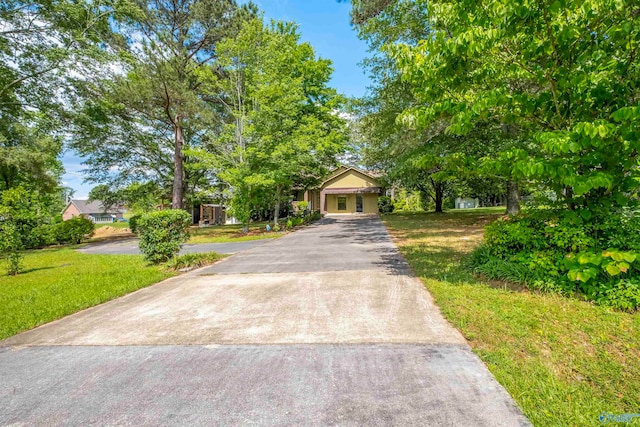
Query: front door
x,y
358,202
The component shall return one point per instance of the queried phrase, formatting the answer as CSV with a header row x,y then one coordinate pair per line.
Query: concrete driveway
x,y
325,326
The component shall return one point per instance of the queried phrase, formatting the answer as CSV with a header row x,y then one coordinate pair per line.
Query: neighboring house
x,y
346,190
211,214
93,211
467,203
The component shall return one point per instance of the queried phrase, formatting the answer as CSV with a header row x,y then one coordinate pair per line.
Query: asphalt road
x,y
325,326
130,247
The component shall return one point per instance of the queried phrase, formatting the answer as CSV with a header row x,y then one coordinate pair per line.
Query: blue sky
x,y
322,23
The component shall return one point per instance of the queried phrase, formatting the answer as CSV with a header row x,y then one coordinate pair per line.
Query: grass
x,y
230,233
194,260
118,225
59,281
564,361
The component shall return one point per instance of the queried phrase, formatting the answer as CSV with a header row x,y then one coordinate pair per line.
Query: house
x,y
211,214
466,203
347,190
91,210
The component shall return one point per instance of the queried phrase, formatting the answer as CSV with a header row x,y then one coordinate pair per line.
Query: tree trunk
x,y
276,214
178,167
513,198
438,188
568,197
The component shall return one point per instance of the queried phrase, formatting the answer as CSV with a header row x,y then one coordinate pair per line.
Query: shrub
x,y
40,236
162,233
385,205
11,247
303,207
195,260
73,230
133,224
567,251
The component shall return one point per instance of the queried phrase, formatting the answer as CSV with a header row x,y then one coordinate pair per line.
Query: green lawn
x,y
59,281
230,233
564,361
214,234
113,224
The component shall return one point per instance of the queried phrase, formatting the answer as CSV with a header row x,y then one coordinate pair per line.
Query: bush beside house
x,y
385,205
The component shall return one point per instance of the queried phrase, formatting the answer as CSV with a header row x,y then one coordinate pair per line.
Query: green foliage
x,y
30,214
43,235
562,251
133,223
162,233
73,230
303,206
194,260
283,130
11,247
408,201
562,75
385,205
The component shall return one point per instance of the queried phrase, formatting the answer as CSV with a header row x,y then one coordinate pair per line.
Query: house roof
x,y
344,169
94,206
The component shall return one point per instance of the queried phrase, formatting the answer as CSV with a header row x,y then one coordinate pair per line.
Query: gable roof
x,y
94,206
344,169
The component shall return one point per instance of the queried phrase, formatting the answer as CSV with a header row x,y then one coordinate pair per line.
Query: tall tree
x,y
565,72
285,130
43,43
154,102
395,142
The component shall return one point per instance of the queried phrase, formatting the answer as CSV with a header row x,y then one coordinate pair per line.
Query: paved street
x,y
130,247
324,326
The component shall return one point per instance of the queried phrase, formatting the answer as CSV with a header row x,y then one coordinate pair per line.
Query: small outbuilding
x,y
94,211
467,203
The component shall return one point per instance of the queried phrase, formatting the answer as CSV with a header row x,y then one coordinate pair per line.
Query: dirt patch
x,y
107,232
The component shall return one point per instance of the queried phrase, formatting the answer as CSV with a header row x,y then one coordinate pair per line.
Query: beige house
x,y
346,190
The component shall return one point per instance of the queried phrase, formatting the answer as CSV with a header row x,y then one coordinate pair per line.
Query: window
x,y
342,203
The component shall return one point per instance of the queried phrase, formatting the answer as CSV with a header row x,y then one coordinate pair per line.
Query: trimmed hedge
x,y
162,233
73,230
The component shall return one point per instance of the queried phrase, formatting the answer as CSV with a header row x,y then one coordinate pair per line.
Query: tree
x,y
284,129
424,151
137,197
565,74
42,44
155,106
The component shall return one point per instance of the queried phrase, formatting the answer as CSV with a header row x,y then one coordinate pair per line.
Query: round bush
x,y
162,233
73,230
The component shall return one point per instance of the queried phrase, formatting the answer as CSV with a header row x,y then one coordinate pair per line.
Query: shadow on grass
x,y
33,270
438,262
438,246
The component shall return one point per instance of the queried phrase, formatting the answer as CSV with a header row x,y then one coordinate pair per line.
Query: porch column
x,y
323,202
